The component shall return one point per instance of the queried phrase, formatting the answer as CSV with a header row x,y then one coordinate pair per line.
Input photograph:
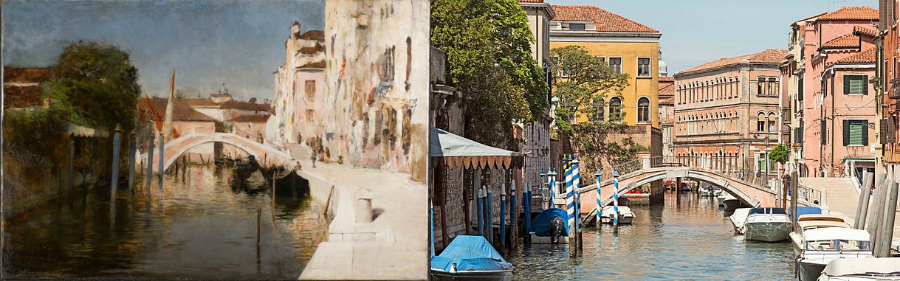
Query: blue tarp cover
x,y
766,211
469,253
541,223
806,210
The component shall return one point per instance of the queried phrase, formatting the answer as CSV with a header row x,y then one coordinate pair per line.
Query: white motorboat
x,y
721,198
767,225
731,203
803,226
862,269
707,190
626,216
738,219
822,246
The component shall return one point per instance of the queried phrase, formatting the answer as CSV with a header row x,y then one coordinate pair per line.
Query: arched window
x,y
761,122
601,110
615,109
772,122
643,110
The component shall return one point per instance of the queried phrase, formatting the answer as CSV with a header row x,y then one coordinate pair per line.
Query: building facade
x,y
300,87
667,113
727,111
888,105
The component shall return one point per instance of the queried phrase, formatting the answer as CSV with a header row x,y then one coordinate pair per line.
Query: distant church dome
x,y
223,90
663,69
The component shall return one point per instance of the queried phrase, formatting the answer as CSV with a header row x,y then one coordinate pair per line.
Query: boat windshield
x,y
835,245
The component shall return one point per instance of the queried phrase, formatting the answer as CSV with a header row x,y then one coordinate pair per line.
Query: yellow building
x,y
629,47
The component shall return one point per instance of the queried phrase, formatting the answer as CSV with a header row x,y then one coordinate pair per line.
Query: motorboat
x,y
707,190
820,217
738,218
470,258
626,216
822,246
806,225
550,223
720,199
802,210
731,203
862,269
767,225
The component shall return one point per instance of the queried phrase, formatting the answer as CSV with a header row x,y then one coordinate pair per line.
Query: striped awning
x,y
859,159
456,151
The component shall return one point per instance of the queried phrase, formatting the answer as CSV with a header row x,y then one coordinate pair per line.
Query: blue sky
x,y
208,43
699,31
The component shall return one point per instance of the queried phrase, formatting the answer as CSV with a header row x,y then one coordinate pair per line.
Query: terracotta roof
x,y
250,118
843,41
667,101
313,35
666,79
181,111
605,21
770,56
859,30
315,64
198,102
27,74
667,90
852,13
241,105
312,50
864,57
220,96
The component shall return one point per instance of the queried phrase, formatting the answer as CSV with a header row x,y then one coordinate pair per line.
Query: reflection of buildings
x,y
185,120
828,96
727,110
300,85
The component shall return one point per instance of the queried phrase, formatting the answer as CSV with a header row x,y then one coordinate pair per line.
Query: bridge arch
x,y
177,147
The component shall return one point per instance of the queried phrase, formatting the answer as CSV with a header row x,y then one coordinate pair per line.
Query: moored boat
x,y
767,225
862,269
626,216
470,258
803,226
822,246
731,203
738,218
551,223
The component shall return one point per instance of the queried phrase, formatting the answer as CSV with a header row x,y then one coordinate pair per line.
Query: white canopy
x,y
868,266
458,151
833,233
81,131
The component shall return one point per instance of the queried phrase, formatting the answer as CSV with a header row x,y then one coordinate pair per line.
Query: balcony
x,y
894,92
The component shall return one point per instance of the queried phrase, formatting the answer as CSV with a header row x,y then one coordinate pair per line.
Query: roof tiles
x,y
843,41
770,56
859,30
864,57
604,20
851,13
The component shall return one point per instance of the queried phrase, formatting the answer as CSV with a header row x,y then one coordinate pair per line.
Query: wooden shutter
x,y
823,132
865,84
847,79
846,132
800,90
864,127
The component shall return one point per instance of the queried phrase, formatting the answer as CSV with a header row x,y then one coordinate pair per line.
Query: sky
x,y
699,31
239,43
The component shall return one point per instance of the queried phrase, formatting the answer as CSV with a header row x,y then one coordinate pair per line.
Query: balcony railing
x,y
894,92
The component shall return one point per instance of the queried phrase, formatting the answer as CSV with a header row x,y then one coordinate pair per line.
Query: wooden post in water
x,y
502,218
258,217
273,197
114,180
878,211
479,202
514,215
71,163
861,207
149,176
131,151
890,211
795,178
162,159
490,216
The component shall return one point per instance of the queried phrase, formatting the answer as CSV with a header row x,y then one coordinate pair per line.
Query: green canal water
x,y
197,228
688,238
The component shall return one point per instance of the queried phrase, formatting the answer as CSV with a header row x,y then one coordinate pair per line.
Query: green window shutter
x,y
847,80
846,132
864,128
855,133
800,90
865,84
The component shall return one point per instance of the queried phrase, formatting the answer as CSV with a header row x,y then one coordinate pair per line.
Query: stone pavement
x,y
393,246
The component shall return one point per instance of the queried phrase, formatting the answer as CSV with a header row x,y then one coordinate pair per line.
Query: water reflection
x,y
194,227
688,238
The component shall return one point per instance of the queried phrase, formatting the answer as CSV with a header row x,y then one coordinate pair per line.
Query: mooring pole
x,y
72,163
616,197
131,151
513,213
479,205
490,216
502,218
862,206
795,178
149,176
552,184
599,207
114,181
162,158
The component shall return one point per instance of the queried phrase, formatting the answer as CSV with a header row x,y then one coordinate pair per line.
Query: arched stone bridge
x,y
176,147
749,194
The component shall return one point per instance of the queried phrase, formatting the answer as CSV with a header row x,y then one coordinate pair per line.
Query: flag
x,y
170,107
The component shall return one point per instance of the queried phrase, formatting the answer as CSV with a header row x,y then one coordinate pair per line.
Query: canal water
x,y
196,227
688,238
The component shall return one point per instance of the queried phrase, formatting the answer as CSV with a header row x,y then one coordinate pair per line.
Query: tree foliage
x,y
780,154
584,80
488,46
97,85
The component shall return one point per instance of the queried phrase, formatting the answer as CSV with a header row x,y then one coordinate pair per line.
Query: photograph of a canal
x,y
267,140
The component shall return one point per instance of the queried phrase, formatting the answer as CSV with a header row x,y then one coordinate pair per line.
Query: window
x,y
856,85
615,64
773,87
615,109
576,26
643,110
601,110
310,88
761,122
823,131
773,121
800,90
761,86
643,67
856,132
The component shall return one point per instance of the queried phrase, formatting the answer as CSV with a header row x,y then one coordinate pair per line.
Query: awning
x,y
81,131
859,159
457,151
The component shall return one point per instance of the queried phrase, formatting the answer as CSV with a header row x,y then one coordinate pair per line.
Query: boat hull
x,y
767,231
499,275
731,204
810,271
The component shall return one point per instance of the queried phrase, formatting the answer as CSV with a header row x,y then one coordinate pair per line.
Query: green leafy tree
x,y
583,80
488,46
97,85
780,154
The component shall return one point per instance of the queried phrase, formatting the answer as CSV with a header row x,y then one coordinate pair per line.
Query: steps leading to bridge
x,y
840,195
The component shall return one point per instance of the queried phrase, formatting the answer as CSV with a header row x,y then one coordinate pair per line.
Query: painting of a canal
x,y
215,139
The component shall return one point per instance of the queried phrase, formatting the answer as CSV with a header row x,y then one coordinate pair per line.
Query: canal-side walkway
x,y
393,246
842,197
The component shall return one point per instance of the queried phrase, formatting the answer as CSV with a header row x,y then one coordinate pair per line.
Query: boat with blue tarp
x,y
470,258
551,223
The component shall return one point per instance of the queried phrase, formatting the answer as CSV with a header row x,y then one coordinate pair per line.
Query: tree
x,y
97,84
583,81
780,154
488,46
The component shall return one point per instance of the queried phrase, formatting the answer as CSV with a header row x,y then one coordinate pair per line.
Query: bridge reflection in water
x,y
199,228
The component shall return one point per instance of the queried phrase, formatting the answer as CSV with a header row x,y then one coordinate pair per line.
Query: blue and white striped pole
x,y
599,208
576,183
551,185
570,198
616,197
